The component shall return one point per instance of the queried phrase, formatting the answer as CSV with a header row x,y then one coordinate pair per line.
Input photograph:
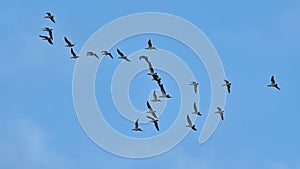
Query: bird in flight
x,y
163,92
227,84
122,56
106,53
155,99
196,110
68,43
195,84
46,38
190,124
273,83
151,110
136,126
155,121
50,16
74,56
92,54
49,30
150,46
220,112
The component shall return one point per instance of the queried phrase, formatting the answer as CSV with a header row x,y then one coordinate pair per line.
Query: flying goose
x,y
156,78
92,54
49,30
163,92
196,110
151,110
122,56
220,112
227,84
50,16
273,83
190,124
69,44
155,121
136,126
195,84
74,56
46,38
155,99
150,46
106,53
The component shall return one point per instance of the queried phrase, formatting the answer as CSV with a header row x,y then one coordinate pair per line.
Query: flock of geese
x,y
155,77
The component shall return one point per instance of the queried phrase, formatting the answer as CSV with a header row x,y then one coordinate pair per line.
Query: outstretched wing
x,y
67,41
151,118
149,43
154,95
73,53
120,53
272,80
137,123
162,89
189,120
149,106
195,107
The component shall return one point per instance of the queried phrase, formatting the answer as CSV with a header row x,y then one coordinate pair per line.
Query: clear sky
x,y
254,39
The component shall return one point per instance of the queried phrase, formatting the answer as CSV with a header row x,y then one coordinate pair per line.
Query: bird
x,y
150,46
49,30
74,56
106,53
143,57
151,69
46,38
196,110
195,84
227,84
151,110
163,92
273,83
136,126
122,56
50,16
155,99
92,54
69,44
156,78
190,124
155,121
220,112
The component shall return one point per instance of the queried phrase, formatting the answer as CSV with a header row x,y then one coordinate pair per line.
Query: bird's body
x,y
195,84
155,99
220,112
50,16
196,110
49,30
92,54
106,53
155,121
163,92
74,56
150,110
122,56
273,83
150,46
68,43
190,124
136,126
227,84
47,39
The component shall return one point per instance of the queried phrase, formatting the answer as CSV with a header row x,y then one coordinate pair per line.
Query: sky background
x,y
254,39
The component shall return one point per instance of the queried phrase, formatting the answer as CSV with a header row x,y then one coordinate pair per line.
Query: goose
x,y
196,110
50,16
136,126
143,57
151,110
106,53
220,112
46,38
227,84
155,99
195,84
74,56
150,46
155,121
92,54
156,78
190,124
163,92
69,44
122,56
273,83
49,30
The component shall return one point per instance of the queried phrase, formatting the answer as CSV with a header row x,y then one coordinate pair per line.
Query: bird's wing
x,y
156,125
189,120
149,106
137,123
154,95
67,41
50,34
42,36
126,58
195,107
72,51
226,81
219,109
151,118
149,43
48,13
120,53
228,88
143,57
162,89
272,80
110,55
52,19
50,41
195,88
153,114
222,116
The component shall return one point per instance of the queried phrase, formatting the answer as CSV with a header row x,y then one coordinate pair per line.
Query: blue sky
x,y
254,39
